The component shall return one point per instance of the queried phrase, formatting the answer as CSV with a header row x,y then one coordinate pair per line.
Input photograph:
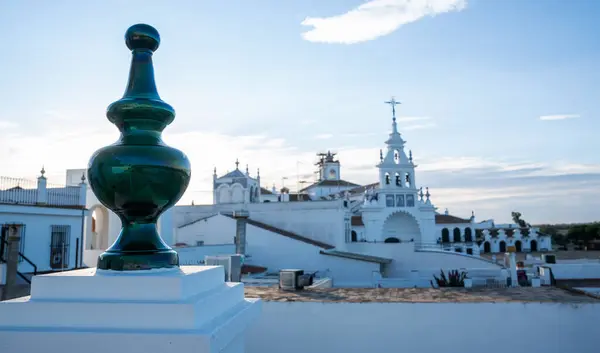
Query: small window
x,y
399,200
59,246
387,179
410,200
389,200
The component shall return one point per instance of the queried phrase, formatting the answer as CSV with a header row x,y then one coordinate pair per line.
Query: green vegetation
x,y
454,279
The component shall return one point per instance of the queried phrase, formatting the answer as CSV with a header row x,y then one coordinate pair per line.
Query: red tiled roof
x,y
356,221
448,219
341,183
264,191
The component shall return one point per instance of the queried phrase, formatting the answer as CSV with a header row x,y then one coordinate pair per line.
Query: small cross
x,y
393,102
237,163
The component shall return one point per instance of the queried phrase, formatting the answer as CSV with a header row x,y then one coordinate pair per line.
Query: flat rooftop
x,y
421,295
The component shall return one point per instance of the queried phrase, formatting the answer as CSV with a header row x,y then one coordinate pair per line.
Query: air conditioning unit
x,y
294,279
232,264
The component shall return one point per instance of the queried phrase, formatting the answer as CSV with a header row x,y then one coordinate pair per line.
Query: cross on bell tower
x,y
393,102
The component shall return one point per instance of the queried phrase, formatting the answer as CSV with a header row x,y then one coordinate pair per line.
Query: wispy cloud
x,y
323,136
374,19
412,118
419,126
559,117
7,124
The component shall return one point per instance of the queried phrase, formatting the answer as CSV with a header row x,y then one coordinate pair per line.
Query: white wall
x,y
196,255
575,271
275,251
38,222
405,259
299,327
326,217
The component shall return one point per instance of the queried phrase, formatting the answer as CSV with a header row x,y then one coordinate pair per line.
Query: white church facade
x,y
390,227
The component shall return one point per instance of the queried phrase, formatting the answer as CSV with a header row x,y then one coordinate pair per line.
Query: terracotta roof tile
x,y
448,219
356,221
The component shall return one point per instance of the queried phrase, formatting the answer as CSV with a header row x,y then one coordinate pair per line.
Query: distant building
x,y
50,219
391,223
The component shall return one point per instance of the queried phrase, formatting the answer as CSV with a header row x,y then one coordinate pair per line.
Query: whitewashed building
x,y
50,220
387,229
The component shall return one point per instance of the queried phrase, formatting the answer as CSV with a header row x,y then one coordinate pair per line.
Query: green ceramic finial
x,y
139,176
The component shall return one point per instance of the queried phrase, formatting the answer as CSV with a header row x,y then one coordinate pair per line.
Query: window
x,y
354,237
398,180
387,179
389,200
60,236
399,200
199,242
4,241
410,200
396,157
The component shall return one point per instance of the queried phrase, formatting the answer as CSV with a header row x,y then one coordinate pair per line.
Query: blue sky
x,y
273,82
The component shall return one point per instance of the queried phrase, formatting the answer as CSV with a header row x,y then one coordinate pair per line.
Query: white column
x,y
42,192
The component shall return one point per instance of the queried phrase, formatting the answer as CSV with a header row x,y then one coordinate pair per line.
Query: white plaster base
x,y
183,310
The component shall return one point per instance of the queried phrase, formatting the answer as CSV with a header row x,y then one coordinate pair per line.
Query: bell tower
x,y
329,167
396,169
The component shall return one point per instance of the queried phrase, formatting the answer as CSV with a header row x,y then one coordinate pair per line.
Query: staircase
x,y
26,277
285,233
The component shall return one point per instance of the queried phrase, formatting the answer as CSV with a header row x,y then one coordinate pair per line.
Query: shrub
x,y
454,279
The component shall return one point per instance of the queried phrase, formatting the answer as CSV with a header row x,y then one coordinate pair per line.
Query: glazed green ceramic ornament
x,y
139,176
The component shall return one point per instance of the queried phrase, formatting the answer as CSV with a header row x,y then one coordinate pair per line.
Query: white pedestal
x,y
190,309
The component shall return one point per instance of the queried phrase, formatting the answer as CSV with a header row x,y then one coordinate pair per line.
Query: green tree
x,y
516,217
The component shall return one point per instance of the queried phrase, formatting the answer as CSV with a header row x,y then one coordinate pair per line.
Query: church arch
x,y
223,194
392,240
445,235
502,246
98,239
456,235
487,247
401,225
533,245
468,235
237,193
518,246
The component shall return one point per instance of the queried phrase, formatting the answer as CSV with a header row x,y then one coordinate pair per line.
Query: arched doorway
x,y
468,235
456,235
518,246
445,235
392,240
502,246
401,225
533,245
97,239
353,236
487,248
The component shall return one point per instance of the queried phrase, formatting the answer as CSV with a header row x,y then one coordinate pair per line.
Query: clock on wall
x,y
332,173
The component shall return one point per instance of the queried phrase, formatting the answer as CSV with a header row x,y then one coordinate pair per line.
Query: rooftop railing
x,y
18,191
